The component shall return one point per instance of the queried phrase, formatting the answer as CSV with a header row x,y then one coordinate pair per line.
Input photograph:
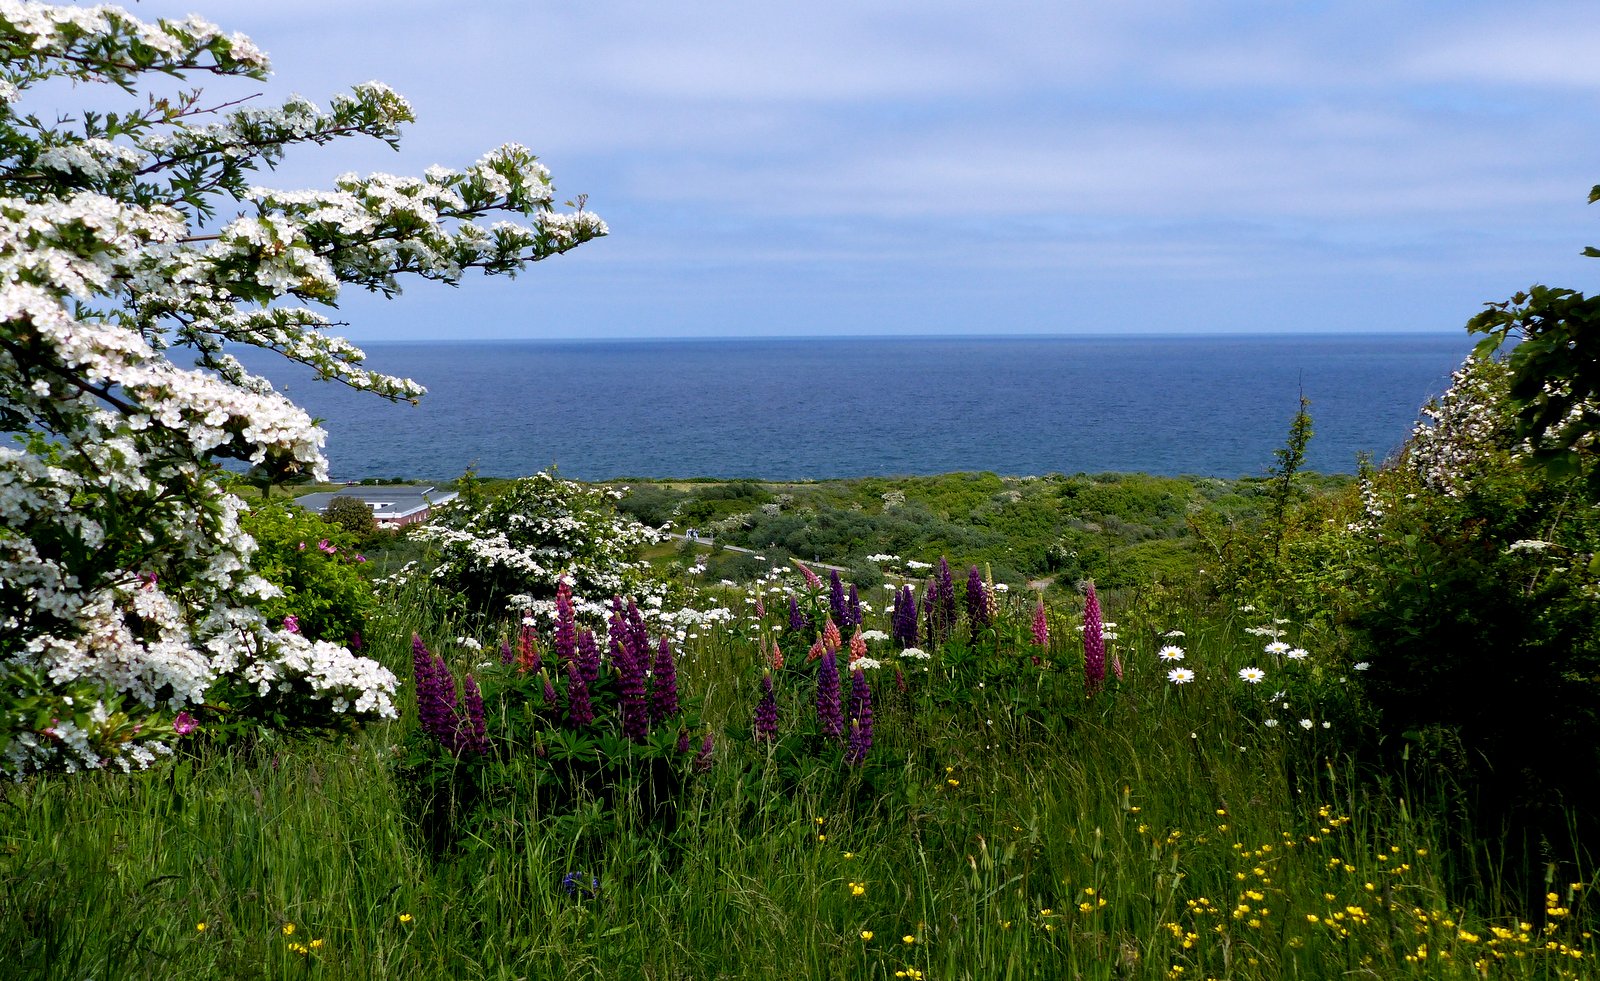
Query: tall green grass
x,y
1152,831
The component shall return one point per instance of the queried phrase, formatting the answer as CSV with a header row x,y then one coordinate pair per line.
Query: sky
x,y
933,167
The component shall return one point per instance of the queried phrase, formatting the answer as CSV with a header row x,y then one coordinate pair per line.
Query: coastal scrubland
x,y
1099,726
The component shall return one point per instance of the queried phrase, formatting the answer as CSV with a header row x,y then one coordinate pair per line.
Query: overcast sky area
x,y
1110,166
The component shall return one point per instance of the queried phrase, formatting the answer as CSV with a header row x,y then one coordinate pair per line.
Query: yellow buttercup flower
x,y
866,934
405,917
288,929
200,927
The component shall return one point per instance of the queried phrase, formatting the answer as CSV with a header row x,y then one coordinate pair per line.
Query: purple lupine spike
x,y
930,611
829,718
664,685
683,741
580,710
1041,625
852,606
631,687
617,635
550,697
1094,643
947,598
638,634
588,656
507,655
472,734
565,644
702,759
799,623
767,712
860,718
899,678
429,701
977,600
841,613
905,617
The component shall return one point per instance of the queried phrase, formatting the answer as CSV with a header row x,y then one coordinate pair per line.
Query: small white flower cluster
x,y
1461,429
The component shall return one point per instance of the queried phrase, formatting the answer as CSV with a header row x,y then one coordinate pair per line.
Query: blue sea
x,y
791,409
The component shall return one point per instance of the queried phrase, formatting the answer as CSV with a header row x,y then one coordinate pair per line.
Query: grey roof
x,y
388,502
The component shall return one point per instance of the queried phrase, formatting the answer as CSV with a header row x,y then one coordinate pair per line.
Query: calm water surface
x,y
820,408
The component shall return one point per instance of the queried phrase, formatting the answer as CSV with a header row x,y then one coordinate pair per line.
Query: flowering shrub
x,y
517,544
316,571
126,587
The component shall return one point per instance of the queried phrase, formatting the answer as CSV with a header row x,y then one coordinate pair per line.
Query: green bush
x,y
316,566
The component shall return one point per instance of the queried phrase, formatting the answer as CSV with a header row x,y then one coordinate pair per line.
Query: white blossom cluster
x,y
126,590
1461,429
514,548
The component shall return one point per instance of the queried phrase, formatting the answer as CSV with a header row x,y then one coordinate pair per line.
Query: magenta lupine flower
x,y
977,600
580,710
852,606
777,657
327,546
761,608
1094,643
860,718
564,646
812,579
702,759
355,640
588,656
899,678
471,732
767,711
664,685
1116,665
830,636
836,598
1041,625
291,623
829,718
184,723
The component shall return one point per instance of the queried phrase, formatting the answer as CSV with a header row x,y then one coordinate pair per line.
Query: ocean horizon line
x,y
845,338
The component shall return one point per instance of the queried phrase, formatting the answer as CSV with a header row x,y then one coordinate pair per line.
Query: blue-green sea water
x,y
791,409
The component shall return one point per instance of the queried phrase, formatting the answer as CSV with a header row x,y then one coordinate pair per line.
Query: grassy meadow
x,y
1220,806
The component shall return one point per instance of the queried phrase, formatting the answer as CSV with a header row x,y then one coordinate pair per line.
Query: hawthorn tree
x,y
127,601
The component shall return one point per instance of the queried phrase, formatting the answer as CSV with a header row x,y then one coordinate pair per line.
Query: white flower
x,y
1252,675
1298,654
1173,633
915,653
1307,724
1170,653
1180,676
871,635
1360,666
1277,647
1271,723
